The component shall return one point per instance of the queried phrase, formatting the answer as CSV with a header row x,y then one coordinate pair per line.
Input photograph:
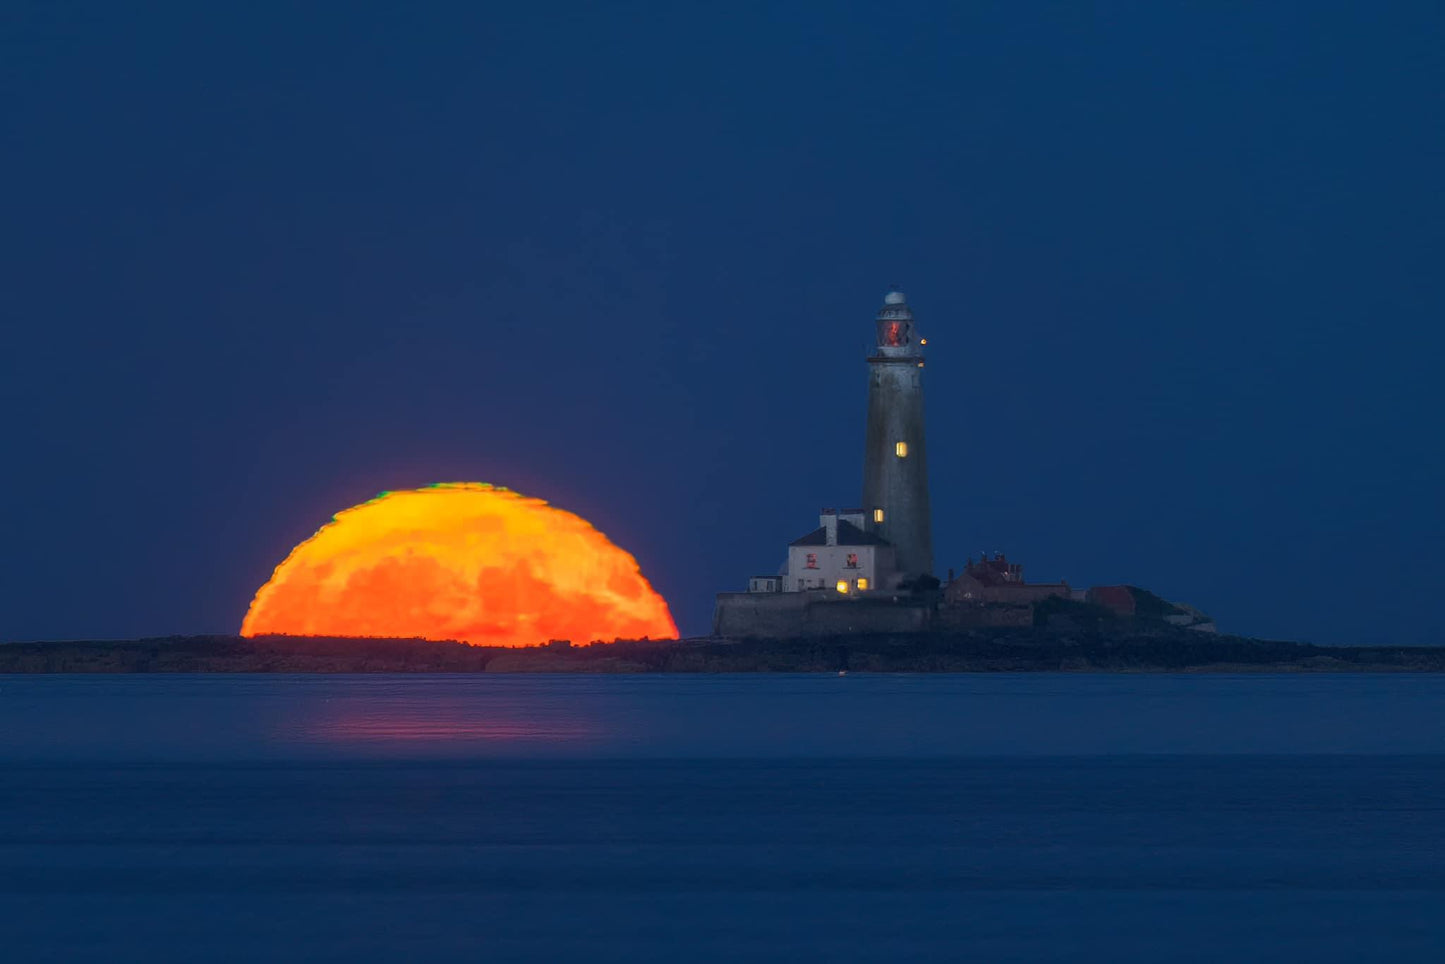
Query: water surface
x,y
1031,817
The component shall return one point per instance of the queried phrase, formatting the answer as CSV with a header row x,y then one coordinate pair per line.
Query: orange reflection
x,y
384,728
462,561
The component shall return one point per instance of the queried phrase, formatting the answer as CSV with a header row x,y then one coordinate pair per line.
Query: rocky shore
x,y
1025,649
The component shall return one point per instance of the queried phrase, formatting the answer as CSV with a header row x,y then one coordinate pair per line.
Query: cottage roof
x,y
848,535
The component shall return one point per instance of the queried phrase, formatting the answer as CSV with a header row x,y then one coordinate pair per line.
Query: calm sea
x,y
724,818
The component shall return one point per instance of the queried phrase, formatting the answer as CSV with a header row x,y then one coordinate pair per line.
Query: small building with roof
x,y
841,555
998,580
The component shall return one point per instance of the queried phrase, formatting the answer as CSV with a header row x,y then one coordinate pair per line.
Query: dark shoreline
x,y
979,651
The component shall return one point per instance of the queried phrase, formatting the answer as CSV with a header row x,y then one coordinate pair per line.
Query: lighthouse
x,y
854,572
895,464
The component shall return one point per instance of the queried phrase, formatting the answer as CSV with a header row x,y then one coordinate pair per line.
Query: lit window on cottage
x,y
812,562
842,585
852,560
900,449
862,584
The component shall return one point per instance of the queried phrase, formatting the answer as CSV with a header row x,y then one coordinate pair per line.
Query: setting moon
x,y
464,561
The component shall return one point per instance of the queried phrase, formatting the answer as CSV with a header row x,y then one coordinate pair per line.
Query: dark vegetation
x,y
1069,614
921,584
1149,606
1075,641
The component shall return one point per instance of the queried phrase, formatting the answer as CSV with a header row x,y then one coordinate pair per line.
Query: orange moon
x,y
464,561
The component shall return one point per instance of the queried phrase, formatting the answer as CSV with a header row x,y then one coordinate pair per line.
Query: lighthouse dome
x,y
895,298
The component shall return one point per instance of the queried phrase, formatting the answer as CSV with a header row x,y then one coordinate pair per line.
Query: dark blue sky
x,y
1180,268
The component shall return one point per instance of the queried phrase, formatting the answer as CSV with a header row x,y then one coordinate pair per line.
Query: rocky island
x,y
1116,648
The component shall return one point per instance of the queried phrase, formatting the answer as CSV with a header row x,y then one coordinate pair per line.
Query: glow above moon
x,y
464,561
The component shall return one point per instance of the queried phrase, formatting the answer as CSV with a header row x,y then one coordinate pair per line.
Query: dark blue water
x,y
795,818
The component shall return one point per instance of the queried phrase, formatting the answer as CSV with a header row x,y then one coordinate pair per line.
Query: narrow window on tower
x,y
900,449
877,515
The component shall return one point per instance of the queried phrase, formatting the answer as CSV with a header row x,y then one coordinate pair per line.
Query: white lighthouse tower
x,y
895,465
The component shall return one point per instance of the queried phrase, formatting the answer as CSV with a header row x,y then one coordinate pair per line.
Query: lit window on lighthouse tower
x,y
900,449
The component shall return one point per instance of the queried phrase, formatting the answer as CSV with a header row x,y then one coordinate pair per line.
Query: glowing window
x,y
852,561
843,585
900,449
862,583
812,560
877,515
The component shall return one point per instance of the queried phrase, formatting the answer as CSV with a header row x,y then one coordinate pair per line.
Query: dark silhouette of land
x,y
1024,649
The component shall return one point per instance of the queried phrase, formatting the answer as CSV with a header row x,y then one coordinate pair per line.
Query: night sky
x,y
1179,265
